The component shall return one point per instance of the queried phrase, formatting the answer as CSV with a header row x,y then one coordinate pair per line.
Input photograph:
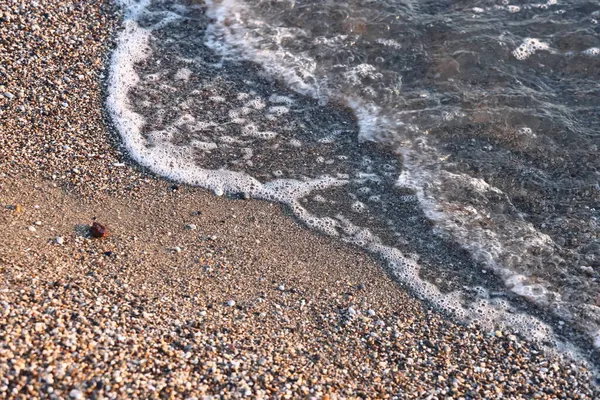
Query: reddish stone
x,y
98,230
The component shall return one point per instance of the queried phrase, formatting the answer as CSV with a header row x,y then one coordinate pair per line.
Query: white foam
x,y
278,99
218,99
205,146
183,74
228,37
371,124
279,110
166,159
529,47
389,43
257,103
358,207
356,74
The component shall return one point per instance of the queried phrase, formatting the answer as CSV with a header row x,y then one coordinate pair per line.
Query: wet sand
x,y
192,295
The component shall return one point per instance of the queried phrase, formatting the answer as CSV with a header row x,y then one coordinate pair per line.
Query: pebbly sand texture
x,y
191,295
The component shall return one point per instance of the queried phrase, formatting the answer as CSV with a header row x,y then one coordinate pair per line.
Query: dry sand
x,y
191,295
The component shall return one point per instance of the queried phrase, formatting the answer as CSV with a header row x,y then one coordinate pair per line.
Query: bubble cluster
x,y
529,47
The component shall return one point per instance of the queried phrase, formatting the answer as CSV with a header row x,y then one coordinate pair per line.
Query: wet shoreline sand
x,y
191,294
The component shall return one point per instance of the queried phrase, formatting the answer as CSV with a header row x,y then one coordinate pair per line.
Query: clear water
x,y
457,140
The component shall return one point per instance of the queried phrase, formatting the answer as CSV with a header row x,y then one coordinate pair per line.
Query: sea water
x,y
455,140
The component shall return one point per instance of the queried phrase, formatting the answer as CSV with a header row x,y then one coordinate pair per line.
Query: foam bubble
x,y
529,47
218,99
279,110
278,99
183,74
389,43
358,207
206,146
257,103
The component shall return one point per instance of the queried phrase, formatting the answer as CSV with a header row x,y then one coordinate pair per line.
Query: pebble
x,y
231,303
281,287
76,394
60,240
8,95
31,228
191,227
98,230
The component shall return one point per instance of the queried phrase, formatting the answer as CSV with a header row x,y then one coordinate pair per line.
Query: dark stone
x,y
98,230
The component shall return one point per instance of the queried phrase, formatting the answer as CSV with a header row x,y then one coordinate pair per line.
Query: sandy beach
x,y
190,295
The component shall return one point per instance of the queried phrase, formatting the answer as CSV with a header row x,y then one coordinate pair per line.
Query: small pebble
x,y
231,303
98,230
31,228
191,227
60,240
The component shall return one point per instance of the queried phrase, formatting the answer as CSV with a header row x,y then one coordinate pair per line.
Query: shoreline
x,y
147,310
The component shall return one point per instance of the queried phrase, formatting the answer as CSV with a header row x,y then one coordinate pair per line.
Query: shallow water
x,y
458,140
